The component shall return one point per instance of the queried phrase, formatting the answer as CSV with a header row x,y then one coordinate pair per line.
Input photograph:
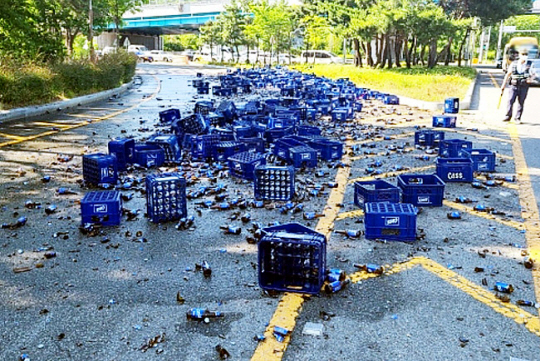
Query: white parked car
x,y
320,57
160,55
286,59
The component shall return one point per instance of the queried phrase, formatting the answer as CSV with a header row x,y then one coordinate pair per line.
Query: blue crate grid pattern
x,y
390,221
242,165
104,208
168,116
223,150
424,190
292,258
274,183
100,168
165,197
375,191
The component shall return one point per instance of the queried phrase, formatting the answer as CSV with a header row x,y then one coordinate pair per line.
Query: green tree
x,y
211,35
233,23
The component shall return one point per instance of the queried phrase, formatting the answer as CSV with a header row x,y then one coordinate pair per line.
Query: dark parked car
x,y
498,63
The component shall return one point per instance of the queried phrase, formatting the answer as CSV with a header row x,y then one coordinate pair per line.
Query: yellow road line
x,y
529,206
351,214
91,121
11,136
494,81
479,293
290,305
50,124
485,215
391,174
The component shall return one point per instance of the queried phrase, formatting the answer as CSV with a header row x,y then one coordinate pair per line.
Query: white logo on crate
x,y
100,208
482,166
238,166
200,146
335,154
455,175
423,200
306,156
391,221
104,172
130,153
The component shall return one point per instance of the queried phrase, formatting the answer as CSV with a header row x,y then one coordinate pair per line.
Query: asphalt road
x,y
105,297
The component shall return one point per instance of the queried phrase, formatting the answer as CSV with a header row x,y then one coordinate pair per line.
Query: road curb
x,y
37,110
464,103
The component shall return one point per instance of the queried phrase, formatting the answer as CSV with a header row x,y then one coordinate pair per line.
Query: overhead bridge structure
x,y
162,17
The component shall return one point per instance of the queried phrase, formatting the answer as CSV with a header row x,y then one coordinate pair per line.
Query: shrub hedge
x,y
32,84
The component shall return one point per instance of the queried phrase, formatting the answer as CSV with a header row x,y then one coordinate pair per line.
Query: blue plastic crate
x,y
104,208
203,90
169,144
253,144
391,99
428,137
308,130
455,169
223,133
283,145
424,190
168,116
327,149
244,131
303,156
358,106
453,148
123,150
274,183
227,109
165,197
100,168
147,155
451,105
375,191
390,221
271,135
202,146
483,159
223,150
203,107
444,121
242,165
292,258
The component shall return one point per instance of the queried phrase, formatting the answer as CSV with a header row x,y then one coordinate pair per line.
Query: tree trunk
x,y
369,57
413,51
422,53
460,55
357,56
389,46
377,52
384,52
398,51
449,52
70,39
432,61
407,52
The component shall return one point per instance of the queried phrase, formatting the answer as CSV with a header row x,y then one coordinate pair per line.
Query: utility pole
x,y
91,32
499,42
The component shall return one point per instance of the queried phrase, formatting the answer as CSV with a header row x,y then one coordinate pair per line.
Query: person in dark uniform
x,y
518,74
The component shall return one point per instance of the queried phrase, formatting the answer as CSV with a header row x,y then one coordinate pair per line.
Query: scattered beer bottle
x,y
335,274
528,263
462,199
370,268
526,303
246,217
336,286
350,233
453,215
207,271
230,229
503,287
312,215
200,314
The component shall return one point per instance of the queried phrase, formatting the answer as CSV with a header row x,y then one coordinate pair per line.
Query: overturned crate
x,y
274,183
292,258
165,197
